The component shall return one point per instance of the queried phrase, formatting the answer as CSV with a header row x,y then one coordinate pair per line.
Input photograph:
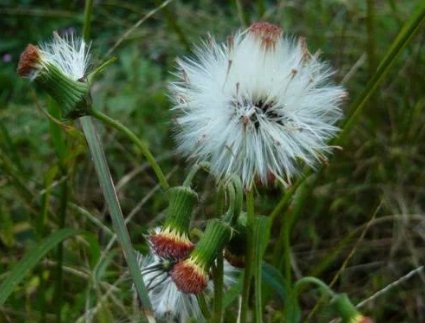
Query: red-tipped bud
x,y
189,277
29,61
169,244
268,33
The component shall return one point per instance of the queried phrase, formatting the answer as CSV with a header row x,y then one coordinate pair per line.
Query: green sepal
x,y
182,200
216,236
72,96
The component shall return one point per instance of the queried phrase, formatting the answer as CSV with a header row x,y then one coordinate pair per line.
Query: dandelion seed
x,y
256,106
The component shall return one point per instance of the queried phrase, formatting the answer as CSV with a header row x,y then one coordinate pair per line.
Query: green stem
x,y
173,24
88,9
315,281
132,136
203,305
370,23
59,251
192,173
248,257
258,309
403,38
261,8
218,289
105,180
243,16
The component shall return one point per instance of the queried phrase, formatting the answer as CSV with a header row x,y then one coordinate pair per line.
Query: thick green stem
x,y
248,257
218,289
143,148
111,199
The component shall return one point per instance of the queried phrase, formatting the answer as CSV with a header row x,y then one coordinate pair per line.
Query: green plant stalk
x,y
88,9
402,40
258,308
308,280
248,257
287,273
203,305
370,24
172,22
261,8
243,16
131,135
218,289
111,199
59,250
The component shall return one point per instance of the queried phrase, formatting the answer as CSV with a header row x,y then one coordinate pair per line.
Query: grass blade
x,y
105,180
30,260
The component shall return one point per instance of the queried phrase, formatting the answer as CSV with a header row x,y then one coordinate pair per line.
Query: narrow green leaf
x,y
273,278
111,199
261,238
56,133
233,293
30,260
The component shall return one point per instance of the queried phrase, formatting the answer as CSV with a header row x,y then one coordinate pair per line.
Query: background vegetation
x,y
360,227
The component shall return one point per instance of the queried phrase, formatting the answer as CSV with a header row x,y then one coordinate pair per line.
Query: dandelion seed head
x,y
258,106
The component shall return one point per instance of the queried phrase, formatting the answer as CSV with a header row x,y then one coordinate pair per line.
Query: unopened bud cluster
x,y
191,263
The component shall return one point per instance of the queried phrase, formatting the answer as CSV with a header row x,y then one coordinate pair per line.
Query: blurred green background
x,y
377,180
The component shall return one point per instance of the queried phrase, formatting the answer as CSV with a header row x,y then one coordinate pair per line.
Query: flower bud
x,y
59,68
191,275
172,241
348,311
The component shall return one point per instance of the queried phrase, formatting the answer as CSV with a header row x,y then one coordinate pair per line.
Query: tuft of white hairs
x,y
68,53
168,302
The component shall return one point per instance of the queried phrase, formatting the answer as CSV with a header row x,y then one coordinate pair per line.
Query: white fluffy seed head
x,y
256,106
70,54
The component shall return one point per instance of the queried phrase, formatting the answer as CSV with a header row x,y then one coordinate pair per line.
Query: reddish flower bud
x,y
189,277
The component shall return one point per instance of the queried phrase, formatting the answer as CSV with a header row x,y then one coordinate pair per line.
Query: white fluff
x,y
69,54
167,301
220,120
